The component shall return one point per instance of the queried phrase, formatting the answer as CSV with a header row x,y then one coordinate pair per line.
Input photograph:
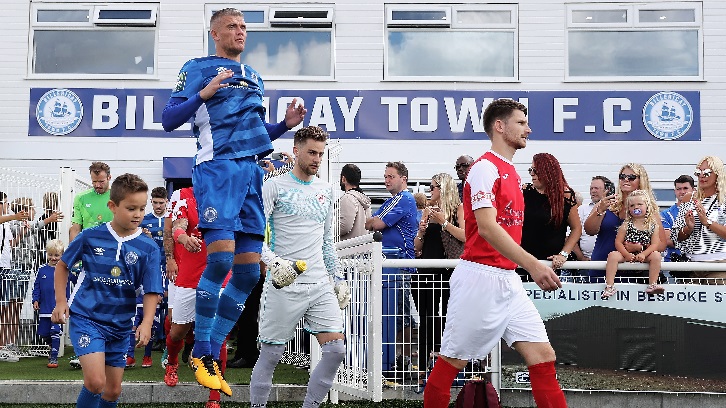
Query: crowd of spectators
x,y
556,227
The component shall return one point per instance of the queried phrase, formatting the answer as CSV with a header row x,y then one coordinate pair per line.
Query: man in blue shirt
x,y
224,100
396,219
118,262
683,187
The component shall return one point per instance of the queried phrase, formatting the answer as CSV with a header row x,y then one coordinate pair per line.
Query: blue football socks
x,y
231,302
218,266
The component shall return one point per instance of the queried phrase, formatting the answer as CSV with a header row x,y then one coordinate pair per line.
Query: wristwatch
x,y
708,223
565,254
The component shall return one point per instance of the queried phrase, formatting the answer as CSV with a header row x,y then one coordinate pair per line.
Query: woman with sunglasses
x,y
609,213
550,206
699,228
442,220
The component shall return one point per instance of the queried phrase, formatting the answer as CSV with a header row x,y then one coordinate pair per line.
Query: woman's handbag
x,y
452,246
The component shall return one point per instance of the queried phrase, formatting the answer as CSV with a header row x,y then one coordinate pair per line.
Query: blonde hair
x,y
651,208
643,184
715,164
420,200
55,245
449,200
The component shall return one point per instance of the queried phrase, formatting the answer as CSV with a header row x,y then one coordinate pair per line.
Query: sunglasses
x,y
532,171
433,187
629,177
703,173
461,166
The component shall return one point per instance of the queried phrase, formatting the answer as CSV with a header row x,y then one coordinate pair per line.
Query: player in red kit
x,y
485,279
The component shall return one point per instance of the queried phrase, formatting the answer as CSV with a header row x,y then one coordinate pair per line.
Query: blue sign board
x,y
404,115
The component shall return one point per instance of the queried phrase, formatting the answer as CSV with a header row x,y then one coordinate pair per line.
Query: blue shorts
x,y
46,328
89,337
229,195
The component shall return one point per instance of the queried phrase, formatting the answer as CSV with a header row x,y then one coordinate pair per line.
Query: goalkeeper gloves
x,y
284,272
342,292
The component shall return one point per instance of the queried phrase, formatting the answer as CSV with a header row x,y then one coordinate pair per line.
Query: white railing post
x,y
375,326
67,192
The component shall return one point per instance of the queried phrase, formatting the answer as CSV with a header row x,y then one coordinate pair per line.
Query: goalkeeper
x,y
299,209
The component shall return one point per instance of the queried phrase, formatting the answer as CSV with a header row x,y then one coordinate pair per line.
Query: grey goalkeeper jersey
x,y
300,215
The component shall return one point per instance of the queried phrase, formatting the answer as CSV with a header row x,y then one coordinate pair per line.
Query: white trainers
x,y
9,353
75,362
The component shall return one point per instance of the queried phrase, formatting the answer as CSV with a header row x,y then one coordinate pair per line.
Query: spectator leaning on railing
x,y
699,229
610,212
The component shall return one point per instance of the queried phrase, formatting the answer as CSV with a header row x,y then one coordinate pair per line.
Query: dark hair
x,y
352,174
125,185
500,109
159,192
684,178
98,167
550,174
609,185
310,132
229,11
400,168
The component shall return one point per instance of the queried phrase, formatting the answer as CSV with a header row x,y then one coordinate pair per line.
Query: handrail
x,y
625,266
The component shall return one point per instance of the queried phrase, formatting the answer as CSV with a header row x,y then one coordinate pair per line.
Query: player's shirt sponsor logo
x,y
115,271
509,217
59,111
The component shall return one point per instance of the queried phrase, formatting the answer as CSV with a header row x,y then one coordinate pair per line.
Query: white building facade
x,y
606,83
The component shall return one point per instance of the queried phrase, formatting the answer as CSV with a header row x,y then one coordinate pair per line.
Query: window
x,y
451,42
285,42
101,40
637,42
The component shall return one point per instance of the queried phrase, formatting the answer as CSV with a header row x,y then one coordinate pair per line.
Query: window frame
x,y
425,26
150,24
270,25
633,24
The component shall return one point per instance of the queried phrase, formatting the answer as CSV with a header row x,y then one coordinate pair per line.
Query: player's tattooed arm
x,y
190,242
168,240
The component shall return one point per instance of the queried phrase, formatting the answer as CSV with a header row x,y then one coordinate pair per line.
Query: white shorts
x,y
282,309
185,302
487,304
170,295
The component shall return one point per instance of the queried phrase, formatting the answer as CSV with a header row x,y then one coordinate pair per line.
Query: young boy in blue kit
x,y
44,300
118,261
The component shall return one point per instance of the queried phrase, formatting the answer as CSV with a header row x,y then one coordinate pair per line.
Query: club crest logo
x,y
210,214
59,112
84,341
667,115
131,258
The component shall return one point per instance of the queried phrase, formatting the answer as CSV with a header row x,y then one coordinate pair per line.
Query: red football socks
x,y
545,387
437,393
173,348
